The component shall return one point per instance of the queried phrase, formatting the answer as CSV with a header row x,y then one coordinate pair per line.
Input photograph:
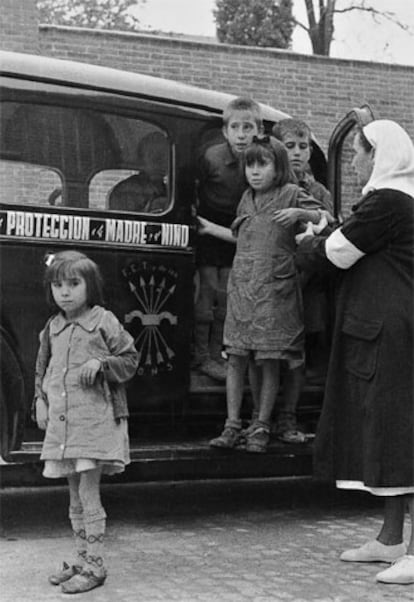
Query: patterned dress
x,y
264,306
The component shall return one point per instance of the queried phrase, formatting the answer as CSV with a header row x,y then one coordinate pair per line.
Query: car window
x,y
26,184
76,157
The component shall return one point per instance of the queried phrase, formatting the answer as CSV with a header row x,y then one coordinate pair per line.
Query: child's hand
x,y
203,225
89,371
286,217
42,413
331,220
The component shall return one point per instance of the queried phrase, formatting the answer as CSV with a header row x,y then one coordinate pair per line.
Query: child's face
x,y
70,296
240,130
261,176
299,151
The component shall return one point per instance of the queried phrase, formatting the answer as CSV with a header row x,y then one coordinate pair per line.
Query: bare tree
x,y
321,16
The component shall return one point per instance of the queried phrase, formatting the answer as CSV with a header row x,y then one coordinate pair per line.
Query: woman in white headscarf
x,y
365,437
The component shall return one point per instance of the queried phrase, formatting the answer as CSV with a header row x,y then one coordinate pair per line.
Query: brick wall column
x,y
19,26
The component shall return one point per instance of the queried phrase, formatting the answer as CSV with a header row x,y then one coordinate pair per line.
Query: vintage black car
x,y
73,137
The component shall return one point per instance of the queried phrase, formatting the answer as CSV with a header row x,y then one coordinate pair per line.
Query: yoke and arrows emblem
x,y
153,287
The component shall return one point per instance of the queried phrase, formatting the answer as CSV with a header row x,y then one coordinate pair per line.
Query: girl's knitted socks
x,y
95,530
78,528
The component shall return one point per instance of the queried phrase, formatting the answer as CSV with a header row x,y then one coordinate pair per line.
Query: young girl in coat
x,y
264,318
84,359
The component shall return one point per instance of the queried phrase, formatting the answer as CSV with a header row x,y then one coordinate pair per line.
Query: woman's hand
x,y
308,232
314,229
286,217
89,371
42,413
321,225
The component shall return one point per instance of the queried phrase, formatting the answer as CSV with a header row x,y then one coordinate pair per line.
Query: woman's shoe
x,y
401,571
83,582
374,551
66,572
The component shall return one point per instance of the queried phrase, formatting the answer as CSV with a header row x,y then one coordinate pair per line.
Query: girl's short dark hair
x,y
267,147
365,143
70,264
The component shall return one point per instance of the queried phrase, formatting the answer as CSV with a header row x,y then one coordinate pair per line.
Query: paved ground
x,y
255,541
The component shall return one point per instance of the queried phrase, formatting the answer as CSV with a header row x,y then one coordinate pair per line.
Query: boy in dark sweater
x,y
221,185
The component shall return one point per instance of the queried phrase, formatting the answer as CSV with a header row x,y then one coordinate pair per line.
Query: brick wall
x,y
319,90
19,28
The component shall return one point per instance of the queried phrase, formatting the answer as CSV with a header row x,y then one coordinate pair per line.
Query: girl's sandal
x,y
65,573
82,582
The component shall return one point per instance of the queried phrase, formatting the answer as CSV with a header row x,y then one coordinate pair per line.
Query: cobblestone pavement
x,y
232,541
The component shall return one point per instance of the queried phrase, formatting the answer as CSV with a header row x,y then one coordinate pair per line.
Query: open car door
x,y
339,173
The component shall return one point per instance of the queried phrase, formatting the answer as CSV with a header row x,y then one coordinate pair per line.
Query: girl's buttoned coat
x,y
264,301
81,420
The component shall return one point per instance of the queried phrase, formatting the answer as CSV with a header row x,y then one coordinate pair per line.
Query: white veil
x,y
393,159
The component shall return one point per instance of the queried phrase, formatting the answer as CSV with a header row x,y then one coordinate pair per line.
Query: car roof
x,y
41,68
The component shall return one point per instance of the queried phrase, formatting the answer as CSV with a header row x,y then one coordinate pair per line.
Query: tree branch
x,y
390,16
311,14
299,24
321,8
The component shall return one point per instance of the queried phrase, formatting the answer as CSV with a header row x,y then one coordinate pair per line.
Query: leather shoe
x,y
401,571
64,574
83,582
374,551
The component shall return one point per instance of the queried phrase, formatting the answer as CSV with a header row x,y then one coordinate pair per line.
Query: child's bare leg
x,y
292,388
255,382
269,389
236,371
259,435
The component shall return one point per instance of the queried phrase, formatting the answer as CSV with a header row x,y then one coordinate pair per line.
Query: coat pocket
x,y
285,284
361,340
